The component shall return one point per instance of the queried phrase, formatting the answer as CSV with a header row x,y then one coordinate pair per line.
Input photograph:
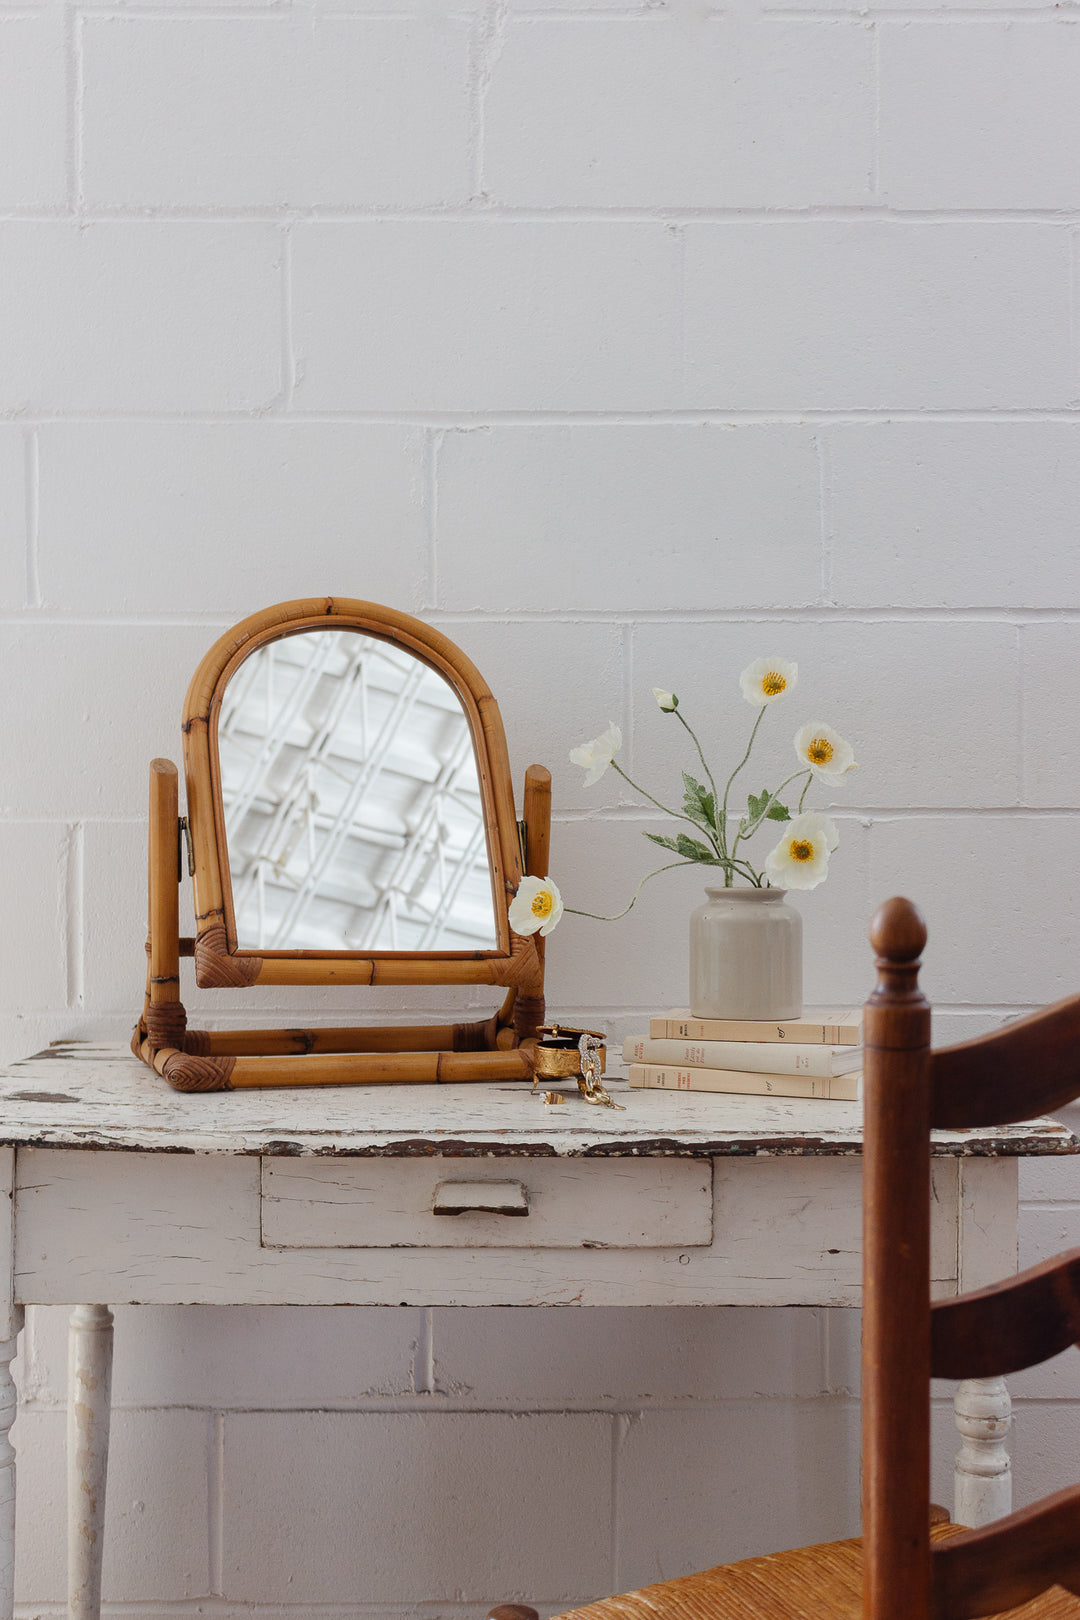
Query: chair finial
x,y
897,931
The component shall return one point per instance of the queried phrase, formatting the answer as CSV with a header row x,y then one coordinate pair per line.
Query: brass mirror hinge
x,y
183,836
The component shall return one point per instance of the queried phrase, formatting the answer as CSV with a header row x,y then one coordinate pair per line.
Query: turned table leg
x,y
983,1470
9,1406
90,1342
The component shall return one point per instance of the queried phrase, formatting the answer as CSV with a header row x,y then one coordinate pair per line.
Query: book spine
x,y
760,1057
670,1077
846,1033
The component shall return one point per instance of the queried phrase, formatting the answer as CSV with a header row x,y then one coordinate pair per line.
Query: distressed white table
x,y
121,1190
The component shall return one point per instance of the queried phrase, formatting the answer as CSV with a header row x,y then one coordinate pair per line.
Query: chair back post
x,y
896,1274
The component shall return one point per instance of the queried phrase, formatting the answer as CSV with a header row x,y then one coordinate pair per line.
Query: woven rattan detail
x,y
166,1024
528,1016
197,1042
215,968
811,1583
187,1073
479,1037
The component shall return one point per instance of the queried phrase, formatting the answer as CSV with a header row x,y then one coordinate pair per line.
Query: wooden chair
x,y
906,1567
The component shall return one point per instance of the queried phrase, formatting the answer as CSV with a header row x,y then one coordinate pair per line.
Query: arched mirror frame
x,y
217,960
496,1048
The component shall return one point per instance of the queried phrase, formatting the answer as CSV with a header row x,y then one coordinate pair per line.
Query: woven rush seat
x,y
808,1583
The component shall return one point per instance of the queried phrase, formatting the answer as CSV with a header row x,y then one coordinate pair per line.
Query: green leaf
x,y
755,806
779,812
698,803
689,848
665,843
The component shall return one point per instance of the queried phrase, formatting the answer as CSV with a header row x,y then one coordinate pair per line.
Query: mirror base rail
x,y
191,1071
500,1047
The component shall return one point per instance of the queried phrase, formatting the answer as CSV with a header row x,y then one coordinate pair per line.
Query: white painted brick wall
x,y
624,340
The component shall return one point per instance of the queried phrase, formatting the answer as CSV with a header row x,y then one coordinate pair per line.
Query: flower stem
x,y
806,789
614,918
678,814
773,797
722,818
701,756
744,866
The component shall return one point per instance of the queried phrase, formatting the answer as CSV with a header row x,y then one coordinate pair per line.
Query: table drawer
x,y
517,1203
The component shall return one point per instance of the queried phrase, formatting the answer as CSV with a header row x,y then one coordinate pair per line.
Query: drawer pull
x,y
480,1198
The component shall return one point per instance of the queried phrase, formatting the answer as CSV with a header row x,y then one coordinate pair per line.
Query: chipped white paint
x,y
90,1341
78,1095
983,1410
11,1320
266,1198
9,1401
565,1204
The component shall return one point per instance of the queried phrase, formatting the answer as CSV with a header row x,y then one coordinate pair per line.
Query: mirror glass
x,y
353,815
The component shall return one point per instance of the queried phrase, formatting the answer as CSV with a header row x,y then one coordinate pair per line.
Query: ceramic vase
x,y
746,956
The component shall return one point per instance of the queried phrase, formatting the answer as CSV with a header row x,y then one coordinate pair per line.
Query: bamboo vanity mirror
x,y
350,820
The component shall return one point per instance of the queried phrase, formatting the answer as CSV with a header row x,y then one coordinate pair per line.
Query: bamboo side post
x,y
166,1019
896,1274
528,1013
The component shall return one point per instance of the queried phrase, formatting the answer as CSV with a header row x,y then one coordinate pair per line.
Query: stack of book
x,y
808,1057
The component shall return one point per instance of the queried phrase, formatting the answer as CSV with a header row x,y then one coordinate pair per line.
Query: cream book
x,y
827,1028
672,1077
758,1057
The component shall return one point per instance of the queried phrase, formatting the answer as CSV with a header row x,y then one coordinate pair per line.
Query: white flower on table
x,y
767,679
801,859
828,754
666,700
536,905
594,757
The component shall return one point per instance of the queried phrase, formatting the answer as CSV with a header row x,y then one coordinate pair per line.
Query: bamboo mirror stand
x,y
350,820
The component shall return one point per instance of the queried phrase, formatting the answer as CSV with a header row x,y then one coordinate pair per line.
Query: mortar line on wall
x,y
215,1503
825,616
955,14
851,812
557,213
31,473
423,1369
704,416
488,38
73,896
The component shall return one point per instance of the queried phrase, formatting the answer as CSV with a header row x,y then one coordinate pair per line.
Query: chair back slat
x,y
983,1572
1012,1324
1019,1072
896,1274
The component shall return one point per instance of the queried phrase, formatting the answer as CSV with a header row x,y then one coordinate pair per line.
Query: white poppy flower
x,y
536,905
594,757
801,858
827,754
667,700
767,679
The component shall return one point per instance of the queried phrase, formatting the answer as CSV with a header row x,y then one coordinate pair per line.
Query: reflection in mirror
x,y
353,815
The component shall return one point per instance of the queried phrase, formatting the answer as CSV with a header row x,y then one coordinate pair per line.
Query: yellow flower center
x,y
801,849
773,683
542,904
819,751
